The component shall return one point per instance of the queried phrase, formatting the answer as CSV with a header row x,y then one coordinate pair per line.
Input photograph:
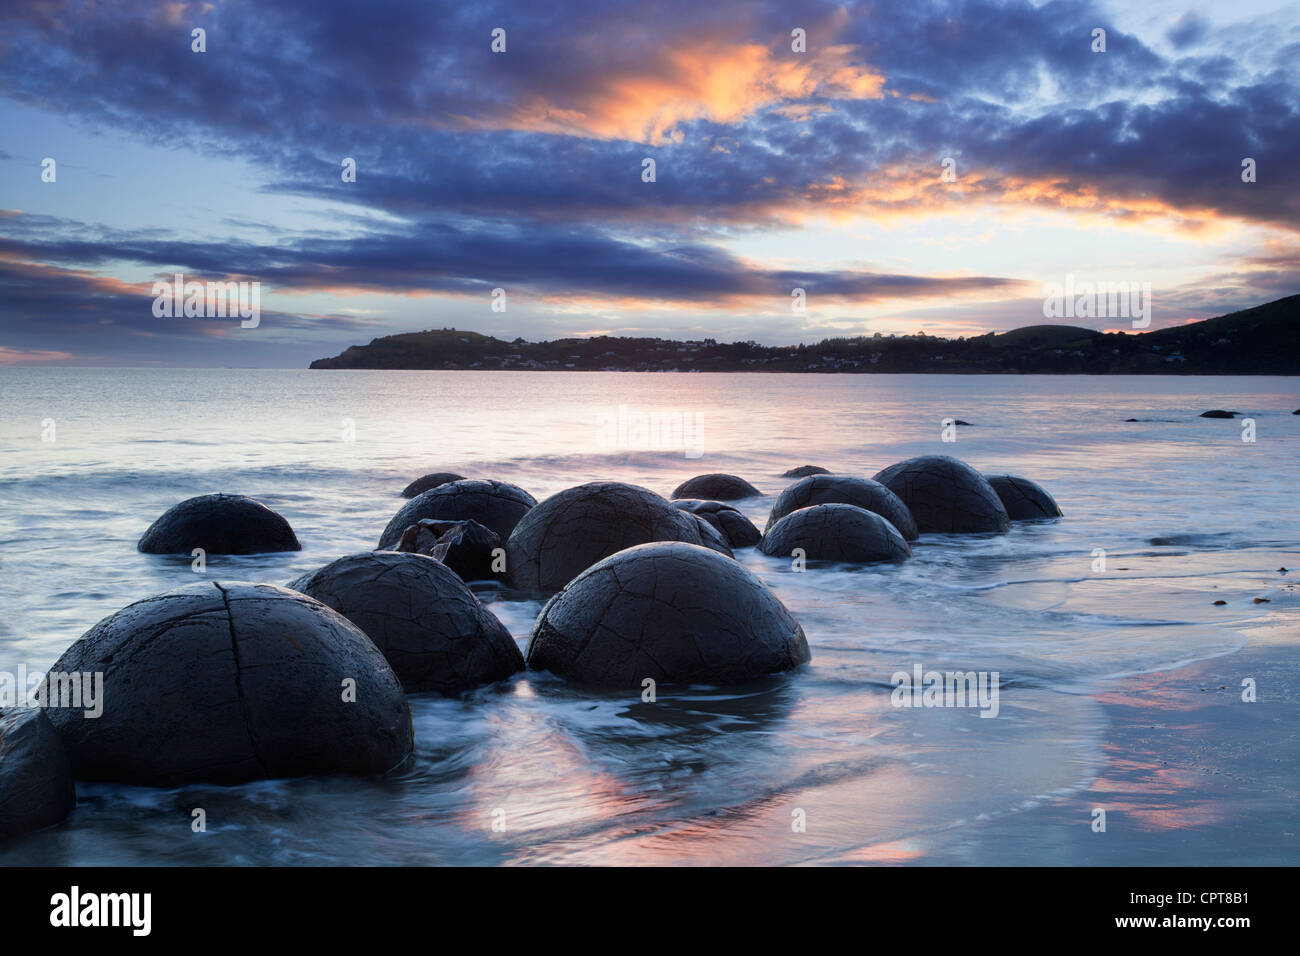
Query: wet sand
x,y
1192,775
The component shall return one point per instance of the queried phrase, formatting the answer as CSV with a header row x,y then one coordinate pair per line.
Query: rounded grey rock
x,y
425,482
836,532
845,490
1024,500
669,611
572,530
219,524
737,530
946,496
231,682
429,626
716,487
36,786
497,505
803,471
466,547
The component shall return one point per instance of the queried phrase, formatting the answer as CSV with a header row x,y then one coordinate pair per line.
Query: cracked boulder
x,y
946,496
425,482
844,490
36,788
803,471
669,611
219,524
1024,500
711,537
497,505
464,546
836,532
737,530
231,682
716,488
572,530
428,625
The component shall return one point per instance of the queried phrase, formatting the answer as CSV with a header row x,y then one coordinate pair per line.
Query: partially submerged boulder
x,y
669,611
230,682
803,471
497,505
736,529
572,530
846,490
946,496
1024,500
425,482
36,787
429,626
836,532
716,488
1218,413
219,524
466,547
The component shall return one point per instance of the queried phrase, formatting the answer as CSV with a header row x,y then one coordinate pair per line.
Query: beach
x,y
1119,680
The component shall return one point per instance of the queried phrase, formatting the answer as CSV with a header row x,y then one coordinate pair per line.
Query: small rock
x,y
803,471
738,530
423,484
219,524
1218,413
1217,603
716,488
497,505
36,788
464,546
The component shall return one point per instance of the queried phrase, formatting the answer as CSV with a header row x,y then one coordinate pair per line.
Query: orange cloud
x,y
706,79
10,356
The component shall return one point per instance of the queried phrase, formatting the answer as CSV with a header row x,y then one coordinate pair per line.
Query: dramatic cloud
x,y
478,169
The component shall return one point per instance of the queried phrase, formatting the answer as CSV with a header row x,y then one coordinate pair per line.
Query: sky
x,y
916,166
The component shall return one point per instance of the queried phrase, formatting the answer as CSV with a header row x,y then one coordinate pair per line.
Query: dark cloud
x,y
523,170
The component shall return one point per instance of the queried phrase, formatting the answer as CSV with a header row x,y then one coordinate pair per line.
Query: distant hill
x,y
1264,340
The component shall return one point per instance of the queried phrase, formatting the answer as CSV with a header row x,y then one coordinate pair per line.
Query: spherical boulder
x,y
230,682
36,788
946,496
425,482
1024,500
803,471
836,532
737,530
716,488
428,625
497,505
670,611
1218,413
466,547
845,490
572,530
219,524
711,537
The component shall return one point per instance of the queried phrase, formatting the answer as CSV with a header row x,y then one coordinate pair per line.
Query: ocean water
x,y
533,770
